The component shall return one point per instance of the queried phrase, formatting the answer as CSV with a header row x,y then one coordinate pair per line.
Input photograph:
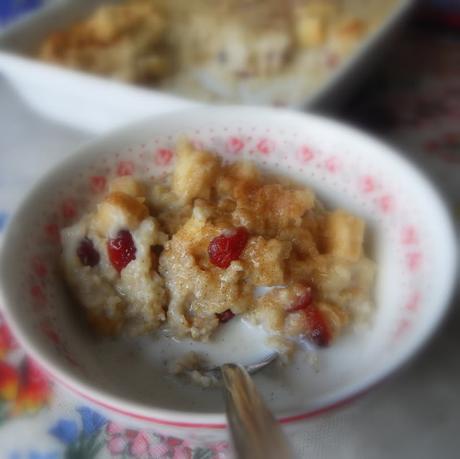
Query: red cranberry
x,y
225,248
86,252
225,316
319,331
121,250
318,328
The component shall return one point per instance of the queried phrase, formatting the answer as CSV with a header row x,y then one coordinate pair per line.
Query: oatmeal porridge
x,y
189,251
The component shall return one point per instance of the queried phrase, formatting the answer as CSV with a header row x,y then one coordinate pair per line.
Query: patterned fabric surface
x,y
12,9
414,102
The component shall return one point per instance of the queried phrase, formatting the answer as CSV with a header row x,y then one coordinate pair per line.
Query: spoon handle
x,y
255,432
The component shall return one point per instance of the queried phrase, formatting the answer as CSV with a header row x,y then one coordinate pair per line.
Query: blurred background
x,y
73,69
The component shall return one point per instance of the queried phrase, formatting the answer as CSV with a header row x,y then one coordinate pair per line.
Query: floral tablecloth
x,y
414,102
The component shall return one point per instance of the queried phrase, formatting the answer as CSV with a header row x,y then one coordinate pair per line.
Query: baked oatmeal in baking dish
x,y
191,250
250,51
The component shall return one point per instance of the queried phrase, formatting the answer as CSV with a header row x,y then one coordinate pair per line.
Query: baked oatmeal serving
x,y
191,250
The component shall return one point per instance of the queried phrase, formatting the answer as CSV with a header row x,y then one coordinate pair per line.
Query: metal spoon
x,y
216,372
255,433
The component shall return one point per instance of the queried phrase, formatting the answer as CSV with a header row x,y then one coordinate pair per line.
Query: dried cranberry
x,y
319,331
225,248
318,328
86,252
225,316
121,250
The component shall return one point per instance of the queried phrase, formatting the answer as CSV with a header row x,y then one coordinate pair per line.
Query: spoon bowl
x,y
215,372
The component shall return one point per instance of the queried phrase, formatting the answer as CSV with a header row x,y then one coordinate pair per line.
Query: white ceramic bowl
x,y
410,237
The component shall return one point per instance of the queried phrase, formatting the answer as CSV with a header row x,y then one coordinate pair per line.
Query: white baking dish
x,y
62,87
